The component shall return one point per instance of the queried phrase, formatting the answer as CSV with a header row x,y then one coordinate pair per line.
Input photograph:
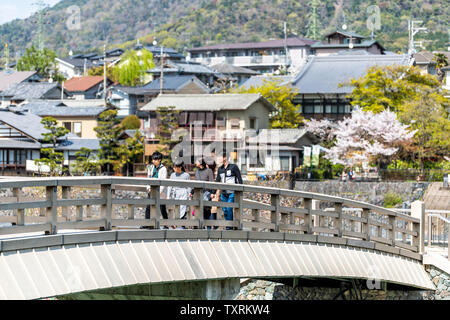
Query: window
x,y
284,162
328,109
221,122
318,109
334,109
235,124
68,126
348,109
309,109
77,128
253,122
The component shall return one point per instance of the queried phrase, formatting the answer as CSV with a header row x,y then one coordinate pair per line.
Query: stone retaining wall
x,y
441,280
267,290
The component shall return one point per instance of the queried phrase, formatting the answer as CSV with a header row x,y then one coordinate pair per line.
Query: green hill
x,y
186,23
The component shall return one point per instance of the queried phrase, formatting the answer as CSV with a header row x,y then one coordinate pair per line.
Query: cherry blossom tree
x,y
363,137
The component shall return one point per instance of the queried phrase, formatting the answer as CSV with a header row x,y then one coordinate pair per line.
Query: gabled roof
x,y
184,67
207,102
363,44
282,136
229,69
25,122
175,82
258,81
77,62
324,74
81,84
426,57
349,34
29,90
271,44
11,77
75,144
58,109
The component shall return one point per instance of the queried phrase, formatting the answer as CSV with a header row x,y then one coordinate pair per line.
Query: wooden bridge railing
x,y
274,210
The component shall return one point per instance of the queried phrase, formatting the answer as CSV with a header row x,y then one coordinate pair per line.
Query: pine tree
x,y
54,160
108,132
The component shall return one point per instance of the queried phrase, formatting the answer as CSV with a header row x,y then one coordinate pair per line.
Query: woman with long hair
x,y
204,173
179,193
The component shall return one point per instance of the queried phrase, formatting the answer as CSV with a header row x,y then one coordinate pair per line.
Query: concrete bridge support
x,y
227,289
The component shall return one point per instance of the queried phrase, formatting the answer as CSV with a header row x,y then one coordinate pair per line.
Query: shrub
x,y
391,200
131,123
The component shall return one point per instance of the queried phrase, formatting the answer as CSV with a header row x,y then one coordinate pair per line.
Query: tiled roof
x,y
10,77
184,67
257,81
325,74
29,90
346,33
271,44
73,144
426,57
174,82
364,44
77,63
226,68
282,136
207,102
25,122
80,84
49,109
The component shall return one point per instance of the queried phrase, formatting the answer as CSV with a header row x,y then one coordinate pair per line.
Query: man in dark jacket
x,y
227,173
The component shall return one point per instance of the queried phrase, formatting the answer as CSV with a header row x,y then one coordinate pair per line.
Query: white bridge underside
x,y
66,269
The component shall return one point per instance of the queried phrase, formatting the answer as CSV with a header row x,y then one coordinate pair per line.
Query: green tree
x,y
133,67
441,62
131,122
131,151
108,133
428,116
41,61
54,160
388,88
416,98
168,123
55,132
85,162
287,115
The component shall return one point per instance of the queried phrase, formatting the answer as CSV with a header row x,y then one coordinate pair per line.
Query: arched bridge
x,y
277,234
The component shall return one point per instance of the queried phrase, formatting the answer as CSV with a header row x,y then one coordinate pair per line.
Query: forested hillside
x,y
187,23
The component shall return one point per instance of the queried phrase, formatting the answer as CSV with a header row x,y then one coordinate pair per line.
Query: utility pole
x,y
104,72
6,56
162,71
413,30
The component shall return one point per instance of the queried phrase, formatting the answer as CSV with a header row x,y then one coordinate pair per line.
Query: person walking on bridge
x,y
157,171
204,173
179,193
227,173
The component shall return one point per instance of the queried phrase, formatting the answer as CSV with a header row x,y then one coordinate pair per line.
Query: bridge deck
x,y
77,262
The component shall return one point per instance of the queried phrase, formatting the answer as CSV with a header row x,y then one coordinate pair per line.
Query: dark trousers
x,y
163,212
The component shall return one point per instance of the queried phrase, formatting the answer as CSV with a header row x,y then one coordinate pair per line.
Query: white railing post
x,y
65,195
155,209
106,209
52,211
309,215
315,205
275,215
17,193
418,212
